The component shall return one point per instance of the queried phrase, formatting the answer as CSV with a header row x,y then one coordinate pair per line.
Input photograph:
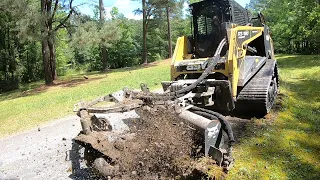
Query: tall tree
x,y
48,30
171,7
145,31
169,31
104,52
148,8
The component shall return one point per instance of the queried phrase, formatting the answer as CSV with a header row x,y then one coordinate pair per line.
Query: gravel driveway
x,y
46,152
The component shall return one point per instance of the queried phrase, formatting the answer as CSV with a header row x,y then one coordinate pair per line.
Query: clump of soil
x,y
164,147
159,146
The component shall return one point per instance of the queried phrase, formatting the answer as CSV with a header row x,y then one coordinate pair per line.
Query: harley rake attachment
x,y
130,134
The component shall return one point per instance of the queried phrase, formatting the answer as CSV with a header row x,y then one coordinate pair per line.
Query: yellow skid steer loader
x,y
227,64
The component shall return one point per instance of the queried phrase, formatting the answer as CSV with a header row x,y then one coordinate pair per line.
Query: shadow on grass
x,y
68,81
38,88
306,94
287,148
143,66
287,157
290,144
298,61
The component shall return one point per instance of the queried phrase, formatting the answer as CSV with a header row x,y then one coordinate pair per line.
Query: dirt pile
x,y
164,147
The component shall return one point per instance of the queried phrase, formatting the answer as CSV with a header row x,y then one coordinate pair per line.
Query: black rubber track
x,y
258,95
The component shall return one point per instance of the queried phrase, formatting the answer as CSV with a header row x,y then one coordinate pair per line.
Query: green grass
x,y
287,147
35,104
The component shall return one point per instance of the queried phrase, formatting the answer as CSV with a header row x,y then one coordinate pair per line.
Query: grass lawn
x,y
288,146
35,104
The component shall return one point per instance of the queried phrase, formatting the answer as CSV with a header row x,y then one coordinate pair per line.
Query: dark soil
x,y
164,147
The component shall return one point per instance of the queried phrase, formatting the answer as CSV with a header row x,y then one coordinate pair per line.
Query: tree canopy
x,y
295,25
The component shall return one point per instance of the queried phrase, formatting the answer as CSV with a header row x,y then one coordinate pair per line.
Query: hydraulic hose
x,y
179,93
206,115
225,125
205,74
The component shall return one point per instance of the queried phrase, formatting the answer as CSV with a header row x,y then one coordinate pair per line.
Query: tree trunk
x,y
144,19
52,54
46,62
45,44
104,58
104,53
48,48
6,49
169,32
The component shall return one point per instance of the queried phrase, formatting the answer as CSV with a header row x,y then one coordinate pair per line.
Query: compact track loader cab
x,y
244,75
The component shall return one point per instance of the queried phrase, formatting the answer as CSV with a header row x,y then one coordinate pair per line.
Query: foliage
x,y
19,60
126,52
294,24
78,42
64,52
